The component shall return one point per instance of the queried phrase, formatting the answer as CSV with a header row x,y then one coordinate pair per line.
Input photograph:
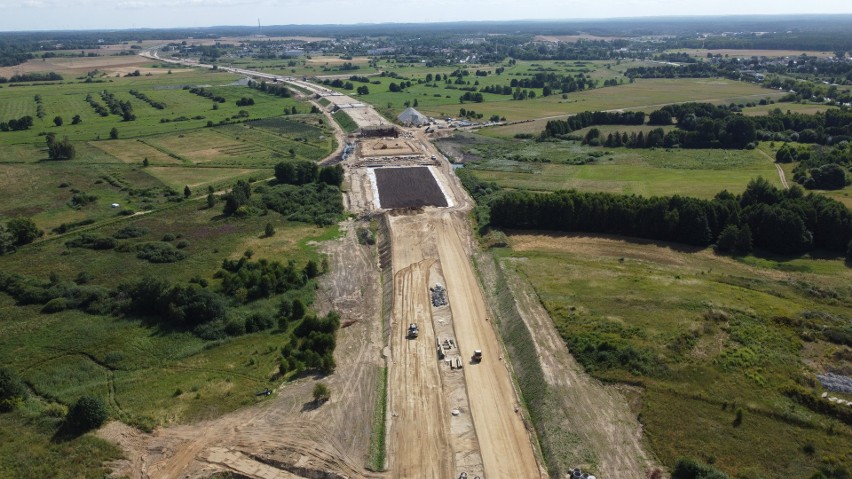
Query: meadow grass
x,y
345,121
378,448
24,452
649,172
151,375
437,100
709,327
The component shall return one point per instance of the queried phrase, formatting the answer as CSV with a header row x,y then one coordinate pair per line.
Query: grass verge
x,y
376,461
345,121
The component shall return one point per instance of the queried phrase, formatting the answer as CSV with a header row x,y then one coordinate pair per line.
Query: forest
x,y
783,222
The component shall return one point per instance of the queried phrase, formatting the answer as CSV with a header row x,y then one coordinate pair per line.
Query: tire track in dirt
x,y
781,175
419,432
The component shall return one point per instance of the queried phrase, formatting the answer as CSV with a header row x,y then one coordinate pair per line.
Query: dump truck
x,y
477,356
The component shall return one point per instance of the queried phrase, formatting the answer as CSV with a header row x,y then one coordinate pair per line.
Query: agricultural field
x,y
182,144
408,188
440,100
711,345
804,108
648,172
301,66
702,53
181,110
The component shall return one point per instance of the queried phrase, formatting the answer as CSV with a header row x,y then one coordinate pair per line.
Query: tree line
x,y
271,88
32,77
22,123
156,104
784,222
558,128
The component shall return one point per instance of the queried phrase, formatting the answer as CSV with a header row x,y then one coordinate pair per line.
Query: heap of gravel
x,y
439,296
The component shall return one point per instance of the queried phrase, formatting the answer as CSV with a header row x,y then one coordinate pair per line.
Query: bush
x,y
182,244
55,305
92,242
12,389
87,413
159,252
321,393
688,468
132,231
23,231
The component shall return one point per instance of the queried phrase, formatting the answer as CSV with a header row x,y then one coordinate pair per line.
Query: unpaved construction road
x,y
420,445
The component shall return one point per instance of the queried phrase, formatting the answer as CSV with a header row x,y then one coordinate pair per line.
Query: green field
x,y
345,121
179,153
653,172
183,111
702,336
441,100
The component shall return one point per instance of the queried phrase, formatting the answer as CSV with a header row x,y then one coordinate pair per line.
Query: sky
x,y
16,15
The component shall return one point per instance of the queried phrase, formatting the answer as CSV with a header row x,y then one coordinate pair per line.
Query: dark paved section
x,y
408,188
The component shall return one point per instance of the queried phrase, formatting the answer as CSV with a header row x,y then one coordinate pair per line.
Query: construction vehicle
x,y
477,356
412,331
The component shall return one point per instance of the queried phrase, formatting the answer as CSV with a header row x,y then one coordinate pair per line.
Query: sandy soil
x,y
419,432
388,147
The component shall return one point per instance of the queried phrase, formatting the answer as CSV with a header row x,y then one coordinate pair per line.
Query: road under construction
x,y
448,414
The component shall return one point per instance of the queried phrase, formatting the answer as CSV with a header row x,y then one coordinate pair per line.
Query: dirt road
x,y
503,442
419,429
781,175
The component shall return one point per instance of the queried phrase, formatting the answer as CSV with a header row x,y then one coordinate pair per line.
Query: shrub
x,y
87,413
182,244
92,242
55,305
159,252
12,389
168,237
321,393
687,468
23,231
132,231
